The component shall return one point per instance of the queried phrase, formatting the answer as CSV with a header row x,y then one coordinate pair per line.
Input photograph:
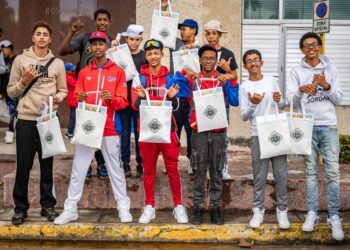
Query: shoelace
x,y
335,223
311,218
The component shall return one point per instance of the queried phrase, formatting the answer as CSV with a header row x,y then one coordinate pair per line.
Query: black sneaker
x,y
216,215
197,217
102,172
18,218
49,213
127,169
139,169
88,174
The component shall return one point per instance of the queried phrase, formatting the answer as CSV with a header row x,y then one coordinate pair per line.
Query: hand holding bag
x,y
90,124
50,134
273,133
155,119
164,27
210,107
300,127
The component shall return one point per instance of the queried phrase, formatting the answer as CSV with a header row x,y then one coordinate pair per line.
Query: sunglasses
x,y
152,43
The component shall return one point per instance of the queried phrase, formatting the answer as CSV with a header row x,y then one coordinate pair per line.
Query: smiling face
x,y
41,38
134,42
99,48
208,60
253,64
102,22
213,37
154,57
311,48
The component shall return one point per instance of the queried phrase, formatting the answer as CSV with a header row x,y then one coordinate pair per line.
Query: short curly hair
x,y
309,35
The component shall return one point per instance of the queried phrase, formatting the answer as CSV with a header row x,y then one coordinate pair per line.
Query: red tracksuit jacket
x,y
112,78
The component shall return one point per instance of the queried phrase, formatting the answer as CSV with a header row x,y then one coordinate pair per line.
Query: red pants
x,y
149,153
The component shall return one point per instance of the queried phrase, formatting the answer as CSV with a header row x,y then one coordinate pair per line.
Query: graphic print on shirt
x,y
319,97
44,78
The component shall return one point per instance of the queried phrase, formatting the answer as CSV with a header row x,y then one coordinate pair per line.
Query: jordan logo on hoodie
x,y
44,78
319,97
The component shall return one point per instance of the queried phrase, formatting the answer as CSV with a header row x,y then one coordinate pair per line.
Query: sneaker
x,y
102,172
49,213
68,136
258,217
65,217
334,223
127,169
180,214
282,218
216,215
124,215
9,137
311,220
197,217
225,175
139,169
148,214
18,218
88,174
190,170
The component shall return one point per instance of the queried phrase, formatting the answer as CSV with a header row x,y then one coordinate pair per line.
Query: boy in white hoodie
x,y
254,97
316,83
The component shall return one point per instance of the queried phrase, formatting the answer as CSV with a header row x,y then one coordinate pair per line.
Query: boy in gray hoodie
x,y
316,83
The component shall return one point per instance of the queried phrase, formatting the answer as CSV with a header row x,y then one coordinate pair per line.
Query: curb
x,y
206,233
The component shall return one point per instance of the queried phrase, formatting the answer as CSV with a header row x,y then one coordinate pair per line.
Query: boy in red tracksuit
x,y
104,80
154,74
208,147
71,83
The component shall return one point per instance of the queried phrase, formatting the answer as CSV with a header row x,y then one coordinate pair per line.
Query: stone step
x,y
237,193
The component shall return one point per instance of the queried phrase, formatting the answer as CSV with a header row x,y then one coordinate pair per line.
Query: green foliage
x,y
344,157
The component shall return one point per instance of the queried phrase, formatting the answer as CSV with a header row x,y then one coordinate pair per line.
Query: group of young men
x,y
315,82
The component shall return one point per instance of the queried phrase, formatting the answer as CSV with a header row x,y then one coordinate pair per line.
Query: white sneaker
x,y
124,215
65,217
208,175
180,214
258,217
189,169
225,175
311,220
282,218
148,214
335,224
9,137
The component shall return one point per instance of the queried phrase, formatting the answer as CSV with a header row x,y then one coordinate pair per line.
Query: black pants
x,y
182,118
27,144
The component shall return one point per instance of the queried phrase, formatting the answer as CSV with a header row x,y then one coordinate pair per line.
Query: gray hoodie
x,y
323,104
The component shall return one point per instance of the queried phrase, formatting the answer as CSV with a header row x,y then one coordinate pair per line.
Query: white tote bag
x,y
90,124
155,120
210,107
273,133
50,134
187,58
4,111
164,26
300,127
122,57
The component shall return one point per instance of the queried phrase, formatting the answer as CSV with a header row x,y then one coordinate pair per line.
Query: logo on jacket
x,y
88,78
155,125
49,137
88,127
111,78
123,65
275,138
297,134
210,112
164,33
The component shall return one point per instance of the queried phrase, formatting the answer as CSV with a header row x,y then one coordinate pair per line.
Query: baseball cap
x,y
205,48
5,44
133,30
69,66
153,44
189,23
98,36
214,25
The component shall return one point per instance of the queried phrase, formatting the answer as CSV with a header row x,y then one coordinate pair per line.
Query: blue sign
x,y
321,10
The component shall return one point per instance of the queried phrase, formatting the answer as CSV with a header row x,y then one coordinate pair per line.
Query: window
x,y
303,9
261,9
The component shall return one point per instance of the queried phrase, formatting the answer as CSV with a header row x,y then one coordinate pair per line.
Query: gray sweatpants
x,y
260,171
208,152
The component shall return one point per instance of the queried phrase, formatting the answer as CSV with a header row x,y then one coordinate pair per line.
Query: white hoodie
x,y
322,105
249,111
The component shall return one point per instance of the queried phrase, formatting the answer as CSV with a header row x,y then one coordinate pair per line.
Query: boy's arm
x,y
120,100
79,87
61,83
231,93
246,107
15,87
293,85
66,47
335,92
281,104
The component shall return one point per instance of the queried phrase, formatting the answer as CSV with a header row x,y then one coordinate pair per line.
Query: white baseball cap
x,y
214,25
5,44
133,30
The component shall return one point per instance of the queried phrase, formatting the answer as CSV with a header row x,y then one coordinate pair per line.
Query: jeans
x,y
327,139
12,105
129,116
71,122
